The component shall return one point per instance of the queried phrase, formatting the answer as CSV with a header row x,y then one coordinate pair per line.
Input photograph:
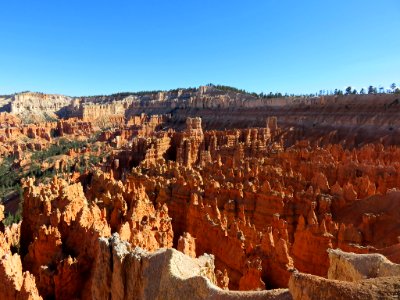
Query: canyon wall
x,y
348,114
38,106
246,203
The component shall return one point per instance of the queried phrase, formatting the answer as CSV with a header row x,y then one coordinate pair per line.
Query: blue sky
x,y
101,47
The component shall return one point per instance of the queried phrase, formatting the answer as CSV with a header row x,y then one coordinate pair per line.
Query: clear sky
x,y
84,47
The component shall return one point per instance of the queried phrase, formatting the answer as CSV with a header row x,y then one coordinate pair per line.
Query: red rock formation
x,y
251,279
14,282
187,152
263,201
187,245
74,127
264,196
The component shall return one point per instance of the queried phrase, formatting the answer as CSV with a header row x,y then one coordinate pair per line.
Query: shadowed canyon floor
x,y
210,195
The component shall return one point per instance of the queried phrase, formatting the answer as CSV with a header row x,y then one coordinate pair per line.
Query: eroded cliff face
x,y
350,276
351,267
249,209
349,119
14,282
120,272
38,106
61,228
310,287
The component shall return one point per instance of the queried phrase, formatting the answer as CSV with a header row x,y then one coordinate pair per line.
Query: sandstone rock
x,y
251,279
37,106
353,267
164,274
306,287
1,212
187,245
14,283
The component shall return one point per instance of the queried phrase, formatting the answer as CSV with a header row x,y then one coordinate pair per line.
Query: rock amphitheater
x,y
203,194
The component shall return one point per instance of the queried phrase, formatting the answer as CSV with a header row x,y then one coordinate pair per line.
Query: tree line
x,y
370,90
394,89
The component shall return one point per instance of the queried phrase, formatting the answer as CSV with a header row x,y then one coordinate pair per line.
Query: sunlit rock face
x,y
175,210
